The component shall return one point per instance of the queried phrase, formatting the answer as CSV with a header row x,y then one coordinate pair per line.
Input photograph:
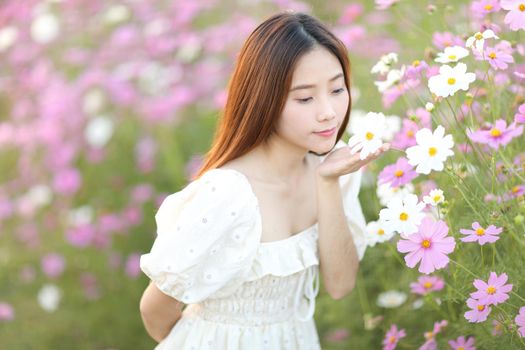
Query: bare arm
x,y
339,262
338,255
159,312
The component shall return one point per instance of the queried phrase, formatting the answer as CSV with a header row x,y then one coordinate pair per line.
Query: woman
x,y
274,205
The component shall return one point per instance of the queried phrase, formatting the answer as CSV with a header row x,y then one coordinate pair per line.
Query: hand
x,y
341,162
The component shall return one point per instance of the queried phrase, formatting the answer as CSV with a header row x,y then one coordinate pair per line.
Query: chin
x,y
322,149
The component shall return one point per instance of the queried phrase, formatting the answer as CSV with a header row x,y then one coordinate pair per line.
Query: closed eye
x,y
304,100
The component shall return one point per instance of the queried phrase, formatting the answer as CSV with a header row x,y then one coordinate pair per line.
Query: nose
x,y
326,111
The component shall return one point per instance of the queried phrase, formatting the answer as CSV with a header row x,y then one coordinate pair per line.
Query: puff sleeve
x,y
207,238
350,186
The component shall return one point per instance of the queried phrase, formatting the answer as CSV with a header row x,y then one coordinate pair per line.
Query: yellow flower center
x,y
432,151
410,133
416,63
403,216
392,339
491,290
399,173
522,7
479,36
452,57
427,285
369,136
425,244
488,7
480,231
495,132
492,55
451,81
381,232
437,198
460,348
481,307
515,189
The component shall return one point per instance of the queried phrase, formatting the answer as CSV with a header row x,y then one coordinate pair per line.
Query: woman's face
x,y
317,101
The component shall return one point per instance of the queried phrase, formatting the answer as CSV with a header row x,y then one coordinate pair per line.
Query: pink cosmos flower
x,y
497,328
444,39
494,291
384,4
398,174
515,18
406,137
462,344
483,7
520,116
430,343
517,191
350,13
497,135
391,94
481,235
392,336
67,181
479,311
132,267
416,69
520,321
53,265
430,245
337,335
498,59
427,284
6,312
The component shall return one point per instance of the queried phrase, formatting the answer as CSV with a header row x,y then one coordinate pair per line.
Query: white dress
x,y
241,293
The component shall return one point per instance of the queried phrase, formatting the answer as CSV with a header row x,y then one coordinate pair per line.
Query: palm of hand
x,y
341,161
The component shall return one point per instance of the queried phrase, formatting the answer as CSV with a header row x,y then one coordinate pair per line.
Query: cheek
x,y
293,122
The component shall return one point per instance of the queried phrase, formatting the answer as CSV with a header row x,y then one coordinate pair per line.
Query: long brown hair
x,y
259,86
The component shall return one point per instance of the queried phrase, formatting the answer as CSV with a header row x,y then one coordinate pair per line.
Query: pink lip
x,y
328,132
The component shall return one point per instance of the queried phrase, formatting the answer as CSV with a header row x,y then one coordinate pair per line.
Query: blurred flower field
x,y
106,107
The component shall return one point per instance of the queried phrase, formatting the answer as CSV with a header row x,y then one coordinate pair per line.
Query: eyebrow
x,y
306,86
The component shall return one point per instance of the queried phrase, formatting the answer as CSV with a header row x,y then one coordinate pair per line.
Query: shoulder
x,y
218,197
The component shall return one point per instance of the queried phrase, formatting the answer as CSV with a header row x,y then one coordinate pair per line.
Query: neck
x,y
281,161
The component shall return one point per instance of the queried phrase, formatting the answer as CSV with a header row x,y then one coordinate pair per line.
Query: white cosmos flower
x,y
391,299
8,36
376,234
39,195
477,41
449,80
393,77
385,192
403,215
99,131
393,125
429,106
49,297
80,216
93,101
117,13
431,151
435,197
368,134
45,28
357,117
417,303
452,54
385,63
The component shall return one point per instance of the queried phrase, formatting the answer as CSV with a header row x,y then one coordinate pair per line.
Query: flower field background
x,y
106,107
